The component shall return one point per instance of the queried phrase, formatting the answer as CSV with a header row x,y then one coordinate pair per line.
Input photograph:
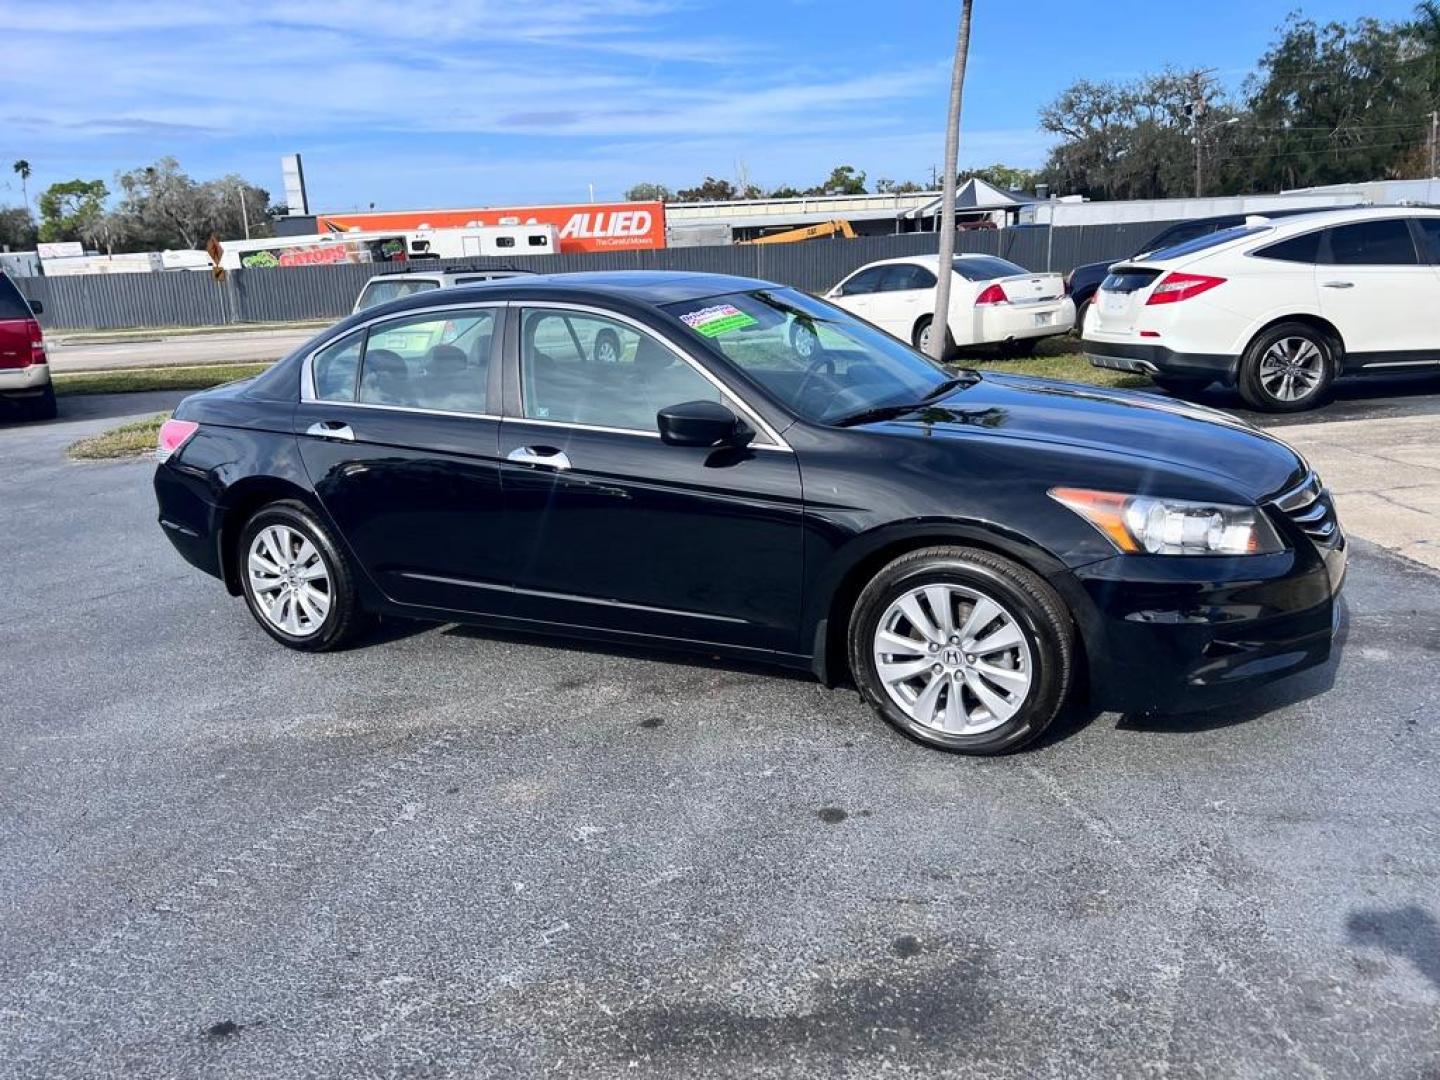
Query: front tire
x,y
1288,368
297,583
962,650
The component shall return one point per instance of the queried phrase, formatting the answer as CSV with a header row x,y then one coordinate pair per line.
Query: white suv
x,y
383,288
1278,309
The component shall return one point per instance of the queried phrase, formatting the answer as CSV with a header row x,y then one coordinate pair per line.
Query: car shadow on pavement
x,y
682,657
1254,704
1409,932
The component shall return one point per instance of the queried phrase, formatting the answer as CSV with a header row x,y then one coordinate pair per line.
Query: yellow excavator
x,y
807,232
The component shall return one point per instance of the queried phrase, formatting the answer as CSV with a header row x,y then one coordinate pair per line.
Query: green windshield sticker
x,y
717,320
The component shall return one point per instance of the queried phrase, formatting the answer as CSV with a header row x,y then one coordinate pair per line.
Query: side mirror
x,y
36,307
702,423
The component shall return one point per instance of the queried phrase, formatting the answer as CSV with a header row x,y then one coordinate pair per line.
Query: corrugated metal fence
x,y
190,298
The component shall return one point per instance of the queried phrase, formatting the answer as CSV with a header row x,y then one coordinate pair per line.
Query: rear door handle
x,y
539,455
331,429
1338,284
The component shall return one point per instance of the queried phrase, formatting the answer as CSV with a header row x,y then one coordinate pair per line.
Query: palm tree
x,y
941,321
22,169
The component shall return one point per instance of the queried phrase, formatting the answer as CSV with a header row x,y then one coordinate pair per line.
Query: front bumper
x,y
1159,360
1177,633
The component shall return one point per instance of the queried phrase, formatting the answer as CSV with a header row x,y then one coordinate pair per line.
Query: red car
x,y
24,373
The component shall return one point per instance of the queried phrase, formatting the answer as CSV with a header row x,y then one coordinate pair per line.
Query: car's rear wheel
x,y
962,649
804,340
920,338
1288,368
607,347
43,407
296,581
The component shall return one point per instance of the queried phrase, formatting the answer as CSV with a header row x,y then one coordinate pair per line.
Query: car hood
x,y
1124,423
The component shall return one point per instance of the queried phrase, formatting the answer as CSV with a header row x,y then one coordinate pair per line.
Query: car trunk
x,y
20,339
1031,288
1122,295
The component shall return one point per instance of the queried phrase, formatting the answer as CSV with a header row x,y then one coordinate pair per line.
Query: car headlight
x,y
1142,525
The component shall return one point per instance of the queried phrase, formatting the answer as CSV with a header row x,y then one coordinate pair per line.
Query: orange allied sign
x,y
583,226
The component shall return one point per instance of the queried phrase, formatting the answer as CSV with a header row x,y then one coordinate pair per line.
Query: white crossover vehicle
x,y
1279,309
992,302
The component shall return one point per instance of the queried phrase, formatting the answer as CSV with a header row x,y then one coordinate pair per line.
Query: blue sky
x,y
409,103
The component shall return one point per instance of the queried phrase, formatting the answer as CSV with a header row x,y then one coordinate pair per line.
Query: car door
x,y
856,294
613,528
1378,293
398,433
905,293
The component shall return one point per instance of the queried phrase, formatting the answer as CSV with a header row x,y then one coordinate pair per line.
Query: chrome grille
x,y
1310,507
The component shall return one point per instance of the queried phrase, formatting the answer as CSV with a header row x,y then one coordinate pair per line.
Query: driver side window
x,y
581,368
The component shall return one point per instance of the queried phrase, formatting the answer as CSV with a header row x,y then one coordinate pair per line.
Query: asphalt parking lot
x,y
457,851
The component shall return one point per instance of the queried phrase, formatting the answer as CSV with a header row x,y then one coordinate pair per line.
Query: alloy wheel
x,y
1292,369
953,659
289,580
924,342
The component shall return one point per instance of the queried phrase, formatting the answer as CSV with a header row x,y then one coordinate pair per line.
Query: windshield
x,y
822,363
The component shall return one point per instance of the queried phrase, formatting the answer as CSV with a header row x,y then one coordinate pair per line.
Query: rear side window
x,y
903,276
1204,243
1298,249
336,367
12,304
1386,242
439,362
382,292
986,268
1430,229
867,281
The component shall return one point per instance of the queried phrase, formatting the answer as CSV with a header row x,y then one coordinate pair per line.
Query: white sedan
x,y
992,302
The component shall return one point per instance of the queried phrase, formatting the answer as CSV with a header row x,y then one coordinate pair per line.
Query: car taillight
x,y
173,435
37,343
992,294
1176,286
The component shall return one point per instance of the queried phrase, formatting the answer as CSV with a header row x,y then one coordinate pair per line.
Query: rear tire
x,y
1288,368
44,407
920,338
976,650
607,347
1081,315
298,584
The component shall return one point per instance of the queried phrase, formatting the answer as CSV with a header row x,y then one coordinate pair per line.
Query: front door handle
x,y
331,429
539,455
1338,284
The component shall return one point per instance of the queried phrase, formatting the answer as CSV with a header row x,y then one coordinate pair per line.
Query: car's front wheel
x,y
962,649
296,581
1288,368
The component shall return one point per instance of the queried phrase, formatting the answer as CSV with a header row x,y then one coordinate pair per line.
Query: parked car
x,y
1281,309
24,367
992,302
382,288
969,548
1082,282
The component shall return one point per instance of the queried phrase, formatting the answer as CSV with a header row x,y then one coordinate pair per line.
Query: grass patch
x,y
127,440
1071,367
129,380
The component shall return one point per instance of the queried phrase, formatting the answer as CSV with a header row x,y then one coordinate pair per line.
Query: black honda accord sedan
x,y
644,457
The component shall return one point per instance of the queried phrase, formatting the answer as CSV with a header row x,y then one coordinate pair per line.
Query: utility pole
x,y
1434,139
1197,113
939,324
244,212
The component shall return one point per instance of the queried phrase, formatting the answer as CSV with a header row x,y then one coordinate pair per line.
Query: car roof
x,y
927,260
653,287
